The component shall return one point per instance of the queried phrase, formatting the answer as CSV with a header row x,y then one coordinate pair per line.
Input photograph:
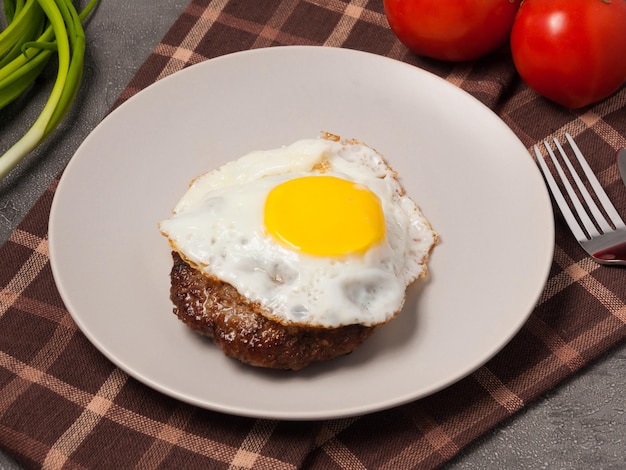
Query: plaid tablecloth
x,y
62,404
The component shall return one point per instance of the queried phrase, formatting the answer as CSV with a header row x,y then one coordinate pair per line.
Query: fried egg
x,y
318,233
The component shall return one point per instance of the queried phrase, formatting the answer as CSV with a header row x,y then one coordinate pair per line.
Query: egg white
x,y
218,227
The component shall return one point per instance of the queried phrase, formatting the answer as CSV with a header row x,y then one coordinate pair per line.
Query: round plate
x,y
472,177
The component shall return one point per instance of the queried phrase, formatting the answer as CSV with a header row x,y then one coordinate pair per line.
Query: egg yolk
x,y
324,216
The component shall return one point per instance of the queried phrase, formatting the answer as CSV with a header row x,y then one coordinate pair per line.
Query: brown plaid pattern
x,y
63,405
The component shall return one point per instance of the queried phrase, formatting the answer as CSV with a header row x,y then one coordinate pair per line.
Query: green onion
x,y
36,30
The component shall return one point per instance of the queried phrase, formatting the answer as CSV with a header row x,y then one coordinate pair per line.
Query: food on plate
x,y
297,254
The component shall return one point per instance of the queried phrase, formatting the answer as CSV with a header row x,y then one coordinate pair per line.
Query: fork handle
x,y
614,253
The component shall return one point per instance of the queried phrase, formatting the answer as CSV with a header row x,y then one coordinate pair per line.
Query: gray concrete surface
x,y
579,425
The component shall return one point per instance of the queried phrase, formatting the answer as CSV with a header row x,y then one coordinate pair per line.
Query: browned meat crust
x,y
217,310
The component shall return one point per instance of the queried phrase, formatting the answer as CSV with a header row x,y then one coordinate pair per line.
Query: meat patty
x,y
216,309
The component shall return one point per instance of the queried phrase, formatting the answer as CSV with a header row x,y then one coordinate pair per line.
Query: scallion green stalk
x,y
36,29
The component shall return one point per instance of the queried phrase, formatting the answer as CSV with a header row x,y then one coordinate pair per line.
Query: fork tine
x,y
580,210
604,199
604,225
558,197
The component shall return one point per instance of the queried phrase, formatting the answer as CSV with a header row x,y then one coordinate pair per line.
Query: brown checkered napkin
x,y
62,404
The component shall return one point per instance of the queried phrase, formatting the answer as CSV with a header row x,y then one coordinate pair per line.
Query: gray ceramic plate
x,y
469,173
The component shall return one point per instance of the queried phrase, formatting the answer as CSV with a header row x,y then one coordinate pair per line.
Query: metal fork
x,y
605,243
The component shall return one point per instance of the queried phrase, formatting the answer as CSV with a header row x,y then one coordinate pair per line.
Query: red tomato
x,y
451,30
571,51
